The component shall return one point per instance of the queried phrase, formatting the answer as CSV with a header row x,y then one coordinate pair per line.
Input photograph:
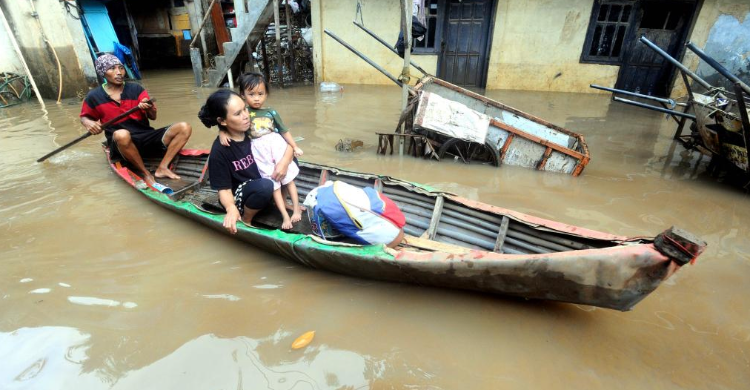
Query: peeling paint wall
x,y
333,62
729,44
65,34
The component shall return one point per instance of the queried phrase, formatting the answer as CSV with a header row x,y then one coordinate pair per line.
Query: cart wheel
x,y
468,152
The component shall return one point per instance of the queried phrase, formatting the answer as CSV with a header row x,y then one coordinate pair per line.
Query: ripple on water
x,y
93,301
228,297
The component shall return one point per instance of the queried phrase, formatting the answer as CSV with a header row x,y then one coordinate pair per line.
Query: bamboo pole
x,y
279,58
20,57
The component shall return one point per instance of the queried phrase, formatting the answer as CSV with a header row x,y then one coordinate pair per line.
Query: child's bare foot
x,y
297,215
286,224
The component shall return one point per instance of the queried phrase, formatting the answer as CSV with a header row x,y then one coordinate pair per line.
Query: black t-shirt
x,y
230,166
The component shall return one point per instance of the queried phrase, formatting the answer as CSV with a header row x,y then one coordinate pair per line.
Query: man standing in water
x,y
133,137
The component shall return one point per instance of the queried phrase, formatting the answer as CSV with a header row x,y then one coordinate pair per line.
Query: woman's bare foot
x,y
286,224
162,172
297,215
247,221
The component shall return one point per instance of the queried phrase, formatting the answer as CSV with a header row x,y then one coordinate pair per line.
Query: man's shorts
x,y
149,142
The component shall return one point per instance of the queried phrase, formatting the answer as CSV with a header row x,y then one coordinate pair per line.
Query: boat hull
x,y
616,277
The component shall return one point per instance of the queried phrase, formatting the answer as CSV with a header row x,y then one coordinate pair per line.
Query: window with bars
x,y
429,43
608,29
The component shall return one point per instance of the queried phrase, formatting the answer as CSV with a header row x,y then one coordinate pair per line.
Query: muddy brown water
x,y
100,288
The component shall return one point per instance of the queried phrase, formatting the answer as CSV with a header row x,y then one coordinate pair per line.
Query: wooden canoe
x,y
451,241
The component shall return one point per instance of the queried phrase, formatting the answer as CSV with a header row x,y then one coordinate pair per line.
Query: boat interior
x,y
434,222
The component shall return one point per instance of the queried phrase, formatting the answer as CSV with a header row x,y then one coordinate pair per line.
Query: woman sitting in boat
x,y
232,169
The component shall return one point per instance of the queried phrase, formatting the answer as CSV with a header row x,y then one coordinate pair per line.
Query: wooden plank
x,y
505,147
436,213
423,243
501,234
220,28
536,139
323,177
544,159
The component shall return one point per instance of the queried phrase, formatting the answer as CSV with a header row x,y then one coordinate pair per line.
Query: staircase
x,y
251,24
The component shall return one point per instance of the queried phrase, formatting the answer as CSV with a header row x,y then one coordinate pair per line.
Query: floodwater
x,y
100,288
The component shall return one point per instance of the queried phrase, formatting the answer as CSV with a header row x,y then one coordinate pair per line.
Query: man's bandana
x,y
105,63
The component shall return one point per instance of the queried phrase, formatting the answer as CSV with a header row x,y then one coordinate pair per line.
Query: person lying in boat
x,y
232,169
361,214
133,138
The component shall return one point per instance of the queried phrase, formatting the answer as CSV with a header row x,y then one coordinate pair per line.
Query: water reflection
x,y
58,357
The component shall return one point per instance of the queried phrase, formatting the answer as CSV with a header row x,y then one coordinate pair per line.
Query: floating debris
x,y
303,340
349,145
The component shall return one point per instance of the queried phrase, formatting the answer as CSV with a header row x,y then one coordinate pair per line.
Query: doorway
x,y
462,59
666,24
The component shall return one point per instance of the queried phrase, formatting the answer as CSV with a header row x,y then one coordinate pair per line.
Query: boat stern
x,y
679,245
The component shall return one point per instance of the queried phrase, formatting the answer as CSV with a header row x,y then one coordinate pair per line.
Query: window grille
x,y
608,29
428,44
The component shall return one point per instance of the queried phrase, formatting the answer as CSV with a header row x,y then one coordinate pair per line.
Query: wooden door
x,y
463,54
666,24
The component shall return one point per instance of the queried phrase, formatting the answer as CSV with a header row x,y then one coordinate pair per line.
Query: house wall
x,y
65,34
536,45
334,62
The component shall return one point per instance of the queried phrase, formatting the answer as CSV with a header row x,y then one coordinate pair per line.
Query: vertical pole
x,y
20,57
133,33
251,59
406,15
290,43
279,58
266,70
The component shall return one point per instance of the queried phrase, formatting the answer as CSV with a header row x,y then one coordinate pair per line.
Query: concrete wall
x,y
728,43
536,45
9,61
64,33
333,62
